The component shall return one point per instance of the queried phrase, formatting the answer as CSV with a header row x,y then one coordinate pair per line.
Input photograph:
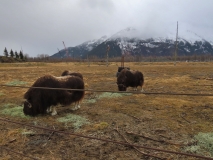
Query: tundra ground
x,y
180,123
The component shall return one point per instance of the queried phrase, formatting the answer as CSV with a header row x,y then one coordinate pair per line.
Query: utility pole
x,y
88,60
176,45
122,59
65,49
107,51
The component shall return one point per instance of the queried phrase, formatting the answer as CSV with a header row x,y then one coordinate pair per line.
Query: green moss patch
x,y
204,145
113,95
16,82
13,110
108,95
77,121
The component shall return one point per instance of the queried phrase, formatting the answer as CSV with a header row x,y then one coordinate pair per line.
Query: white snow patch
x,y
150,45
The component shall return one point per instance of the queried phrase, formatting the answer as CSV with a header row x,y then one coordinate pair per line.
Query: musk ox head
x,y
121,87
121,80
28,110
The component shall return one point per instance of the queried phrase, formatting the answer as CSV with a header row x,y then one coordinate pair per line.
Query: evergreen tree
x,y
16,55
11,53
5,52
21,56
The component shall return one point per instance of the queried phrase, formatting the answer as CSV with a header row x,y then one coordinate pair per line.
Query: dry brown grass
x,y
176,119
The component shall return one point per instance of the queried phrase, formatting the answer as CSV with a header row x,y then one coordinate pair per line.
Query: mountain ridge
x,y
130,41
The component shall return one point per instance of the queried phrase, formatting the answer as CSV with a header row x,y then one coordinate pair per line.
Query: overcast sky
x,y
40,26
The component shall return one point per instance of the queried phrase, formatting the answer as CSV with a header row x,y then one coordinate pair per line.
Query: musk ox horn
x,y
28,104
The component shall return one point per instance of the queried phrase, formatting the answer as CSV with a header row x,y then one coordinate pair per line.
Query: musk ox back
x,y
39,101
66,73
128,78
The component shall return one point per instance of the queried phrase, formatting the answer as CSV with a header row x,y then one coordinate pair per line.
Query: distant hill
x,y
80,50
130,42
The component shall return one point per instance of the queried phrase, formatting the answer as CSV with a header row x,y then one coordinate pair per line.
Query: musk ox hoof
x,y
49,110
76,107
142,90
54,113
53,110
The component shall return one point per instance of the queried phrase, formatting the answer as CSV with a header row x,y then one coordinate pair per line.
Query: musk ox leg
x,y
77,106
142,90
53,111
49,109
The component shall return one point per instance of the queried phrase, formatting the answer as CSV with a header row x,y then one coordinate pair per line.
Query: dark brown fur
x,y
129,78
65,73
41,99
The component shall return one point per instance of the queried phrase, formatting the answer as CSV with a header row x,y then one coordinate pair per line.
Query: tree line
x,y
15,54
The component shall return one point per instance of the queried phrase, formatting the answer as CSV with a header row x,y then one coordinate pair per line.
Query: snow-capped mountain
x,y
131,41
80,50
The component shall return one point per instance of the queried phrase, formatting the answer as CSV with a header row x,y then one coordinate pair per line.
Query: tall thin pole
x,y
122,59
66,49
176,45
88,60
108,48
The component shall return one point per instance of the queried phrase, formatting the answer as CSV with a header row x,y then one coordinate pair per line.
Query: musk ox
x,y
66,73
41,101
128,78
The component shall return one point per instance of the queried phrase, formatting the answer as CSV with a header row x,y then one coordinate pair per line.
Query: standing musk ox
x,y
128,78
41,101
66,73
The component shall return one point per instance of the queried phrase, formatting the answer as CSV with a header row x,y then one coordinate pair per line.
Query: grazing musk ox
x,y
66,73
41,101
128,78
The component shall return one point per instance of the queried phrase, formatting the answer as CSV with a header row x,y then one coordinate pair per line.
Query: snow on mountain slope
x,y
132,41
89,45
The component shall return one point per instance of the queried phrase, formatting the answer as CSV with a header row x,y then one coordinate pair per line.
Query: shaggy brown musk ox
x,y
66,73
128,78
41,101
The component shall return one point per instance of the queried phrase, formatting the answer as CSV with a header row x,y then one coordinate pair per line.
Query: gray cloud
x,y
39,26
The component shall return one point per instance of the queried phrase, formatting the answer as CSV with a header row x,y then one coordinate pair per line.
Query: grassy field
x,y
177,123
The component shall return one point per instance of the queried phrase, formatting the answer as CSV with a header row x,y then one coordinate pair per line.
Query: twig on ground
x,y
181,115
145,154
162,141
50,135
134,117
11,141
